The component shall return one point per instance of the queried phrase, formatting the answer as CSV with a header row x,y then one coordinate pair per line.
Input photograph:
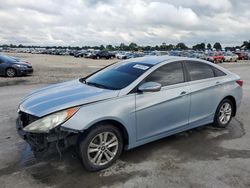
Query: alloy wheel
x,y
10,72
102,148
225,113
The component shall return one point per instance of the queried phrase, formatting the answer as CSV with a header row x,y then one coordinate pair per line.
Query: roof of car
x,y
153,60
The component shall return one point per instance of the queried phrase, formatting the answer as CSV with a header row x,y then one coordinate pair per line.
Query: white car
x,y
122,55
230,57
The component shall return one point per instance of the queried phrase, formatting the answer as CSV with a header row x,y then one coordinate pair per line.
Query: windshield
x,y
118,76
7,59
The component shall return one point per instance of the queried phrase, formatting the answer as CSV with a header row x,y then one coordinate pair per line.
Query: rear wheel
x,y
224,113
10,72
101,147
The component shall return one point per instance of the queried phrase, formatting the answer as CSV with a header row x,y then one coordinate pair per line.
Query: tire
x,y
224,113
92,149
98,57
10,72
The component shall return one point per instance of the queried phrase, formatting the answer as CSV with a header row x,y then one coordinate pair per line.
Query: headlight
x,y
45,124
21,66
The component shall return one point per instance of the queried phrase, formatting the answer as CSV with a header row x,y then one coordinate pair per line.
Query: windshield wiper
x,y
97,85
83,80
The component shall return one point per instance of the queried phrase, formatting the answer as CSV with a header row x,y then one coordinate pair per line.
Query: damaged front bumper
x,y
40,142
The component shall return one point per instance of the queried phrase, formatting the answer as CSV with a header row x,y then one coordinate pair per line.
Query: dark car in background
x,y
12,67
102,55
81,53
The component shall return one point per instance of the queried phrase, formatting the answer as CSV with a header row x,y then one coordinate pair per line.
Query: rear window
x,y
218,72
199,71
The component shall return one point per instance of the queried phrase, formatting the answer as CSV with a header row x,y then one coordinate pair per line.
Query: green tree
x,y
110,47
209,46
200,46
217,46
133,46
123,47
181,46
147,48
20,46
246,45
102,47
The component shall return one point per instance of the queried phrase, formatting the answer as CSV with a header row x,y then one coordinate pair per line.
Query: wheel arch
x,y
116,123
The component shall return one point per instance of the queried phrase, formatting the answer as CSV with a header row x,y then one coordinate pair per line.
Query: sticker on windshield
x,y
142,67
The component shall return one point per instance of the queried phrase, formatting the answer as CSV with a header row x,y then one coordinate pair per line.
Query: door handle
x,y
217,83
183,93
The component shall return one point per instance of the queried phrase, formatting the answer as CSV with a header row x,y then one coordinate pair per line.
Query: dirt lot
x,y
53,69
203,157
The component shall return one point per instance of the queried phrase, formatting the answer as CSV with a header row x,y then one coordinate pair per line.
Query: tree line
x,y
134,47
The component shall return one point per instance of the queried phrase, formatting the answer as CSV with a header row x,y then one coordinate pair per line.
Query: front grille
x,y
27,118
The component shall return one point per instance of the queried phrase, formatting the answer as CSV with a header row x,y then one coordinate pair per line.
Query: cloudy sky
x,y
146,22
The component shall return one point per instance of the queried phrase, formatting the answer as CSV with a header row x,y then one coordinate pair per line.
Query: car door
x,y
165,110
206,93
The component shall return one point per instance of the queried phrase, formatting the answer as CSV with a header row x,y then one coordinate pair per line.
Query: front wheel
x,y
224,113
101,147
10,72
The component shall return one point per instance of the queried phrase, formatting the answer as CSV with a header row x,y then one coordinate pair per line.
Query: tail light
x,y
240,82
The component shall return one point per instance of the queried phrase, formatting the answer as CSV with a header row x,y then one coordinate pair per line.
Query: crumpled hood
x,y
61,96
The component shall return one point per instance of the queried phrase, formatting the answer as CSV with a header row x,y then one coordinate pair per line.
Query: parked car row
x,y
212,56
12,66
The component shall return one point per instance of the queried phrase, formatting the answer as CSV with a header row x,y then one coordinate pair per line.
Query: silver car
x,y
128,104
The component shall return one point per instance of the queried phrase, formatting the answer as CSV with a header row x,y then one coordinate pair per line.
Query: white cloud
x,y
95,22
222,5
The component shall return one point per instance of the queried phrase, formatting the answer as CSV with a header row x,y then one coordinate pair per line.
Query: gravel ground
x,y
53,69
203,157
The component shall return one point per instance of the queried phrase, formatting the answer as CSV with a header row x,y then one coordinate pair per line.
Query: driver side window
x,y
168,74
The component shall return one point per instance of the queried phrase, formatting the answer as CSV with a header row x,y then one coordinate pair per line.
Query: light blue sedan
x,y
128,104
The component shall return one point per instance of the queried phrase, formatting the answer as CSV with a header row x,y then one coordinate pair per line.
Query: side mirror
x,y
150,87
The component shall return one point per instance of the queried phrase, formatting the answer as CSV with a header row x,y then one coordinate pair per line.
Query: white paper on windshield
x,y
142,67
